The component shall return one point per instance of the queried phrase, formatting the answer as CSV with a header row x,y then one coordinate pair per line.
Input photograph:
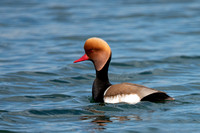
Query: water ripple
x,y
66,112
31,98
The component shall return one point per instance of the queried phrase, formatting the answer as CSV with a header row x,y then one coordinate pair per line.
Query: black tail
x,y
156,97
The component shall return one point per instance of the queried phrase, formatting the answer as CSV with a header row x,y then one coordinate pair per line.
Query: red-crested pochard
x,y
99,52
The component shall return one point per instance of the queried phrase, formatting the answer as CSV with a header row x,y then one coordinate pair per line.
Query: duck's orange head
x,y
96,50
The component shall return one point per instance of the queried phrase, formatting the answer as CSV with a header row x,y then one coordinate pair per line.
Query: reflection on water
x,y
103,120
100,120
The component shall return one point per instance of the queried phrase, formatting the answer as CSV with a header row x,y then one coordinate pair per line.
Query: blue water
x,y
155,43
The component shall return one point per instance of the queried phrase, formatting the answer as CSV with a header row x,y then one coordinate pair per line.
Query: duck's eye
x,y
90,51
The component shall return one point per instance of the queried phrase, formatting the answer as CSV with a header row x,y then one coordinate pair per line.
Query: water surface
x,y
154,43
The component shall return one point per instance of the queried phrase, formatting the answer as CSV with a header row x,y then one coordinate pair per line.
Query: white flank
x,y
106,90
127,98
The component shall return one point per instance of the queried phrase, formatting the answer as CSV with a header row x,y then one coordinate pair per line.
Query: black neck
x,y
101,83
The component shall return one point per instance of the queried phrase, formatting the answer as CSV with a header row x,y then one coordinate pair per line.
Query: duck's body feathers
x,y
132,93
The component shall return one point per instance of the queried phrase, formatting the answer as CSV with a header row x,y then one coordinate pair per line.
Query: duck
x,y
99,53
